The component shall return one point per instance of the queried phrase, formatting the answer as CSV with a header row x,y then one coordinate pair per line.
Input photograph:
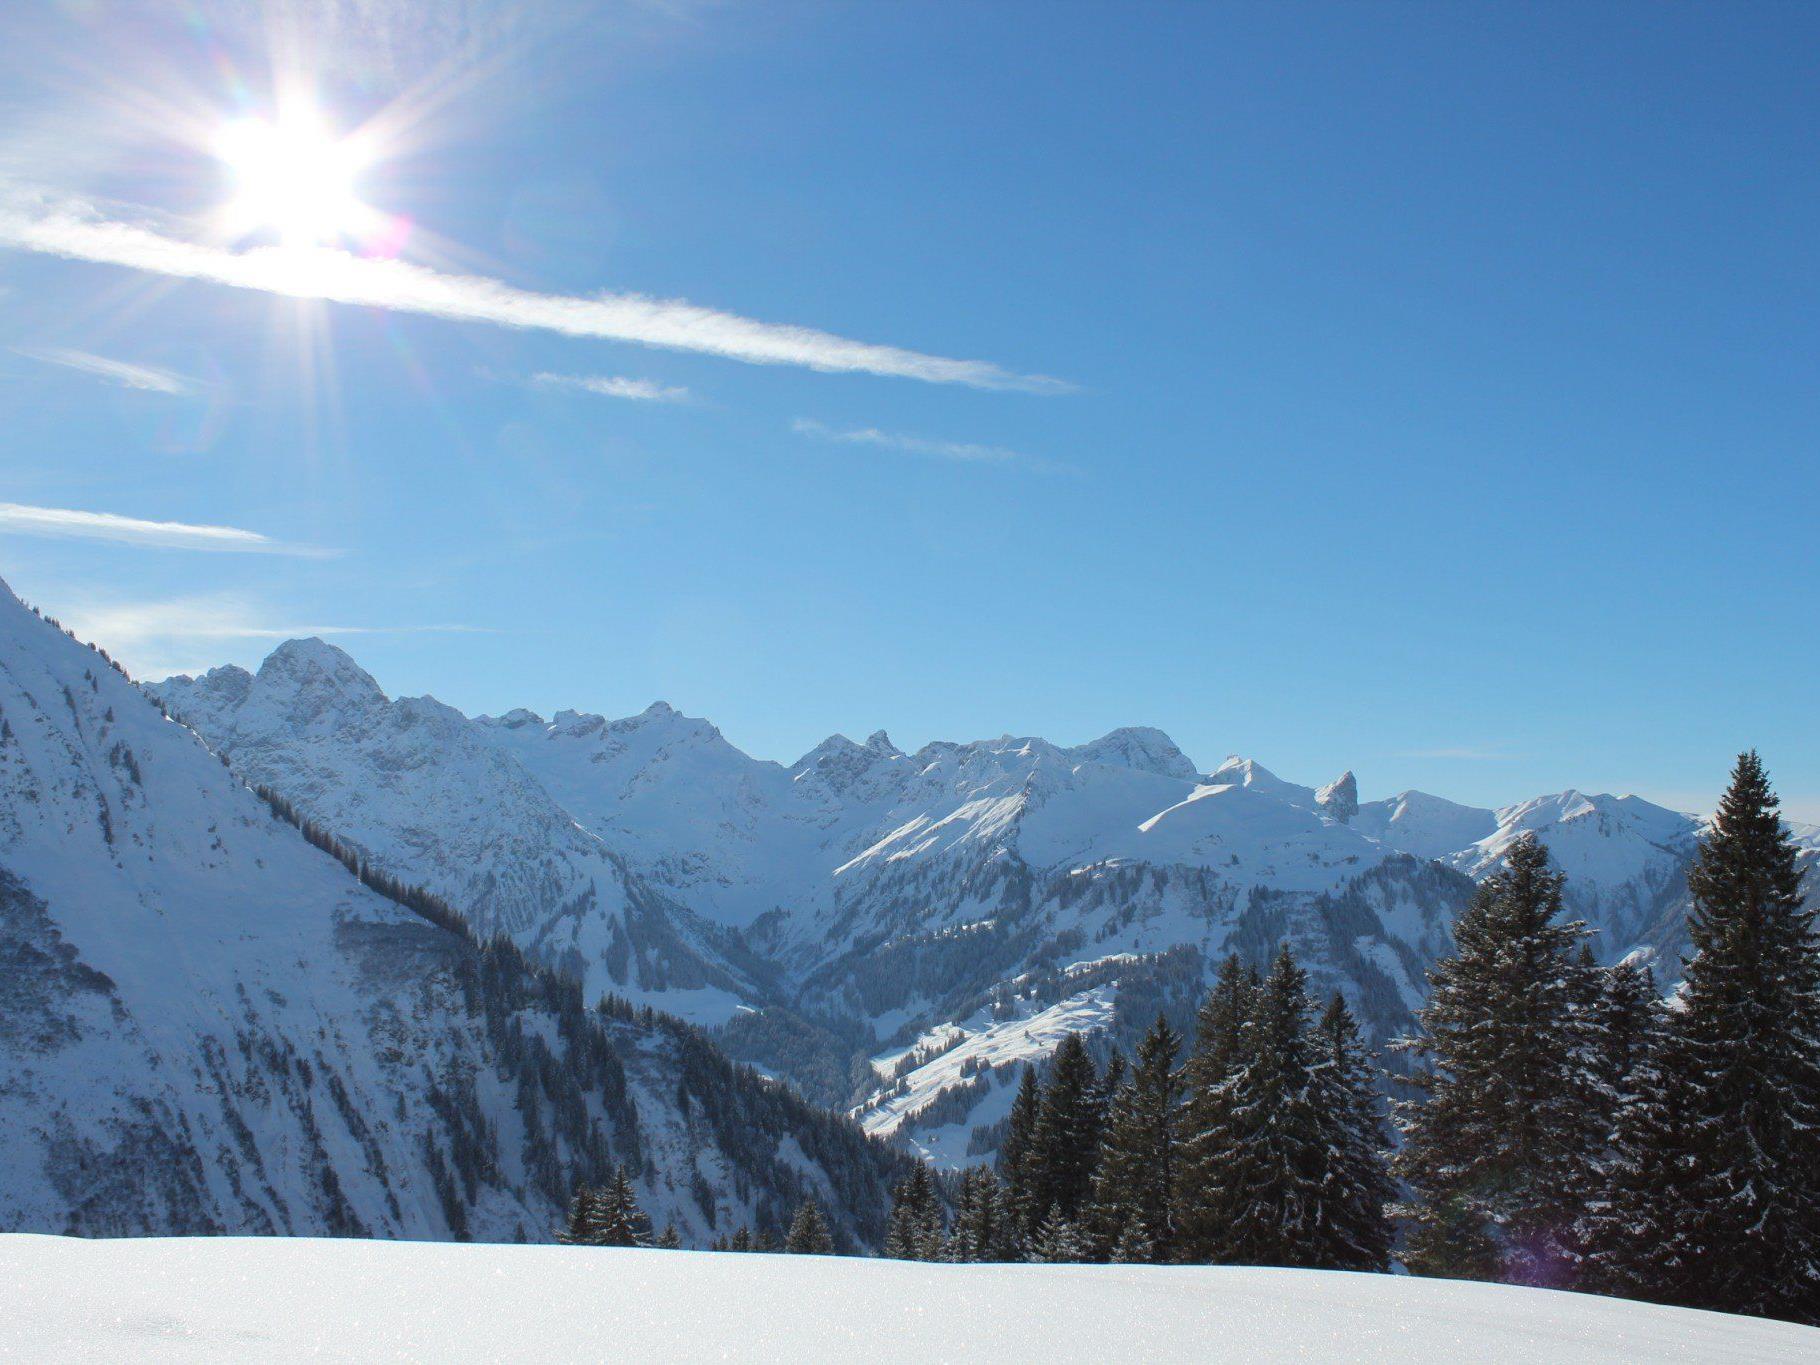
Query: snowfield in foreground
x,y
236,1298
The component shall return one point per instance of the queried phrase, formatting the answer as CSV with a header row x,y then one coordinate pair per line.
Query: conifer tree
x,y
809,1235
583,1225
1133,1189
1134,1247
915,1230
1017,1158
1715,1198
741,1239
1359,1190
670,1240
981,1218
1494,1146
1066,1142
1273,1201
619,1222
1058,1240
1220,1048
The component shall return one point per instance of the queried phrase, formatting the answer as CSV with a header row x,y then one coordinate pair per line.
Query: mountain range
x,y
899,932
215,1018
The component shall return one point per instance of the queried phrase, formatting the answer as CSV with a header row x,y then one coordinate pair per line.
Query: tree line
x,y
1565,1126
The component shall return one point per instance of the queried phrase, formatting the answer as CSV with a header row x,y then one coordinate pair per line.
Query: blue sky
x,y
1427,390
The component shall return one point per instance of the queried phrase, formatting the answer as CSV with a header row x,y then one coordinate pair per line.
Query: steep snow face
x,y
208,1025
1625,861
1426,826
426,795
1140,747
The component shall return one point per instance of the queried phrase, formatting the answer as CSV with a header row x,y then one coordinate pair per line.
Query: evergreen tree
x,y
741,1239
1630,1013
1220,1048
1359,1189
1273,1201
1058,1240
1134,1247
809,1235
619,1220
1494,1147
1066,1143
1133,1189
1017,1159
670,1241
915,1229
1715,1199
981,1220
584,1223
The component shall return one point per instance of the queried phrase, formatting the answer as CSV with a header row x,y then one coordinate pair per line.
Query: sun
x,y
294,177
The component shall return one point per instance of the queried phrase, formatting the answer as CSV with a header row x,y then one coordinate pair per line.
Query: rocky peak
x,y
1340,797
1143,748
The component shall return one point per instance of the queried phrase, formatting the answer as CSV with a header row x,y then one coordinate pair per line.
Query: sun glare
x,y
292,176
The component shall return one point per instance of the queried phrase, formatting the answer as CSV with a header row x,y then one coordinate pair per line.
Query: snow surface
x,y
237,1299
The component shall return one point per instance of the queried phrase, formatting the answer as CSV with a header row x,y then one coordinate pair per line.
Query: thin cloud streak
x,y
615,386
148,378
69,523
189,634
76,231
967,452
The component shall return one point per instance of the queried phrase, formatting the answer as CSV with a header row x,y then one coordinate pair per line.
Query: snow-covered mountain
x,y
867,903
423,792
209,1025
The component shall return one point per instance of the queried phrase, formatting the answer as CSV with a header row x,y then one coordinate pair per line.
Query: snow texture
x,y
230,1299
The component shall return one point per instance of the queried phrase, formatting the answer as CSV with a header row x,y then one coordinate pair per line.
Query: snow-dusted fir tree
x,y
583,1225
915,1231
982,1220
809,1235
1493,1147
620,1221
1273,1202
1359,1189
1059,1240
1017,1159
1220,1049
1133,1189
1066,1143
1715,1199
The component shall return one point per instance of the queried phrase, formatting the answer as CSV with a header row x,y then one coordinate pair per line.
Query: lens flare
x,y
294,177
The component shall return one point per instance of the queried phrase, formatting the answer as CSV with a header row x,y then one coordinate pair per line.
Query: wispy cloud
x,y
77,231
64,522
969,452
149,378
190,634
615,386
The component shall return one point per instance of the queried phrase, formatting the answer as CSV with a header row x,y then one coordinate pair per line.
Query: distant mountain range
x,y
893,931
208,1025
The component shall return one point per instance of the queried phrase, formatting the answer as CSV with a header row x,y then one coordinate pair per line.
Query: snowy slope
x,y
208,1025
423,794
231,1300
